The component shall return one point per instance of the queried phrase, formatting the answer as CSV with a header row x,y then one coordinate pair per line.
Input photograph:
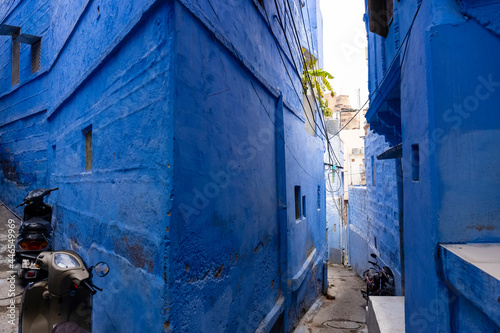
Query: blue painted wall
x,y
188,194
446,85
335,222
374,214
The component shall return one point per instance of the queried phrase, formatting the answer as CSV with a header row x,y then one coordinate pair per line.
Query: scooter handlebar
x,y
89,287
373,263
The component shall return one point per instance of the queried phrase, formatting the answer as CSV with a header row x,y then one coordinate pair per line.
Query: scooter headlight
x,y
63,260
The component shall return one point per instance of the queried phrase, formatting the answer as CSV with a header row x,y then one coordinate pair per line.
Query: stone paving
x,y
344,314
8,320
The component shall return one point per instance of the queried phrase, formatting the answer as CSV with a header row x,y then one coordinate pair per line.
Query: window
x,y
298,212
380,14
304,206
319,197
415,163
16,58
88,148
14,32
36,52
373,171
35,49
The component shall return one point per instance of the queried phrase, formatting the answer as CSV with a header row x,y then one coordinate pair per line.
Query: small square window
x,y
415,163
54,156
88,148
36,52
298,212
16,59
304,206
373,172
319,197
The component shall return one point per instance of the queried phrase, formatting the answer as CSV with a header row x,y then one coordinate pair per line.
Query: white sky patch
x,y
344,47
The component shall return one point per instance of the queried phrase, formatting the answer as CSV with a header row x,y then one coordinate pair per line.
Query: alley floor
x,y
345,313
8,320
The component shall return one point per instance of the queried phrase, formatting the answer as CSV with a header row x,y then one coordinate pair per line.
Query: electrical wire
x,y
297,40
282,138
261,102
403,43
322,126
284,64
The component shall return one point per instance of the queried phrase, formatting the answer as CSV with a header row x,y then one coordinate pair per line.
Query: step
x,y
386,314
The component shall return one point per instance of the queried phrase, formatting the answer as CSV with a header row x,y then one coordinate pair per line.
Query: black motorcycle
x,y
35,233
379,280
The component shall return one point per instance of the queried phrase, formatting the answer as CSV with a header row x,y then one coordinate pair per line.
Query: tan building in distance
x,y
353,138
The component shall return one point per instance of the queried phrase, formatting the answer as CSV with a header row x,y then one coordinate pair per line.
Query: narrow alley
x,y
343,314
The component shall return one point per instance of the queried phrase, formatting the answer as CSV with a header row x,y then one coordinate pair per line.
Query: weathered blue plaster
x,y
448,90
189,195
374,214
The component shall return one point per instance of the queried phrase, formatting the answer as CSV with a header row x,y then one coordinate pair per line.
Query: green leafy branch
x,y
319,79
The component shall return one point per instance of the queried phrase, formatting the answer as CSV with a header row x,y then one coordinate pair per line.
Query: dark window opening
x,y
304,206
319,197
415,163
36,52
88,148
16,58
53,156
373,172
380,13
297,203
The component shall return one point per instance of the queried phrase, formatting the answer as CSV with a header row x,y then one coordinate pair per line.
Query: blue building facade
x,y
434,80
176,134
375,213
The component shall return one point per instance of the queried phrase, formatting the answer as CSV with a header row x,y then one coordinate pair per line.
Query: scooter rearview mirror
x,y
374,255
101,269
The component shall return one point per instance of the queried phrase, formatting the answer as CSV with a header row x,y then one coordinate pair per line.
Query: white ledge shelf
x,y
473,269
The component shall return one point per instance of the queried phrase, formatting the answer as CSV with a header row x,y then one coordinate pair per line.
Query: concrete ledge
x,y
474,271
301,275
273,315
386,314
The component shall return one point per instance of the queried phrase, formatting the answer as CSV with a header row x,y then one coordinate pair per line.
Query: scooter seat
x,y
35,224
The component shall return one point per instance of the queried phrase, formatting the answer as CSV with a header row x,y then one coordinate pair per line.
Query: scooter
x,y
379,280
35,233
63,301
